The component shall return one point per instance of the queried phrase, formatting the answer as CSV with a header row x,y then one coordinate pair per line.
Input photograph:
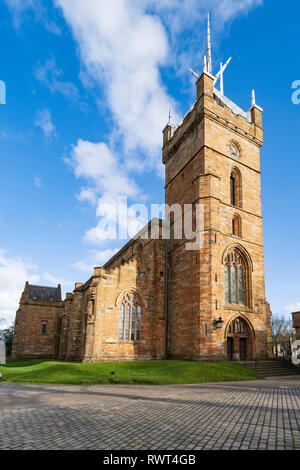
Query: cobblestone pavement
x,y
248,415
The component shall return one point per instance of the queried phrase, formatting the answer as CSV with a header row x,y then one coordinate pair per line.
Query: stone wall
x,y
90,321
139,269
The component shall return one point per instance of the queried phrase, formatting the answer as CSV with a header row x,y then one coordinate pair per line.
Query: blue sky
x,y
89,87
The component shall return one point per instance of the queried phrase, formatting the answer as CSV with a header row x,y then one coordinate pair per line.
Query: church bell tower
x,y
216,294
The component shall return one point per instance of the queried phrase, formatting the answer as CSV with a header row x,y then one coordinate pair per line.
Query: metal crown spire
x,y
208,54
207,63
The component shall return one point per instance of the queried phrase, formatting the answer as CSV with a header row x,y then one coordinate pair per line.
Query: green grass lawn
x,y
156,372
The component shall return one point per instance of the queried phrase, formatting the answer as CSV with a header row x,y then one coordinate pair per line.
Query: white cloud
x,y
183,14
107,179
87,194
51,76
99,165
83,266
14,272
293,307
44,121
97,258
38,182
122,49
20,9
54,281
228,9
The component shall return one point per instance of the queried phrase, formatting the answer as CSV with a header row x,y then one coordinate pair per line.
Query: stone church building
x,y
156,299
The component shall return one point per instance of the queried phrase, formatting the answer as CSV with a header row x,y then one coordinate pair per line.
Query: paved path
x,y
246,415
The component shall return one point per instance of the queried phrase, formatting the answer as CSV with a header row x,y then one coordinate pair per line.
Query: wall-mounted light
x,y
218,323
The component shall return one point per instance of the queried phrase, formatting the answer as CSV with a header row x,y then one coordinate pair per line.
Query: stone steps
x,y
272,368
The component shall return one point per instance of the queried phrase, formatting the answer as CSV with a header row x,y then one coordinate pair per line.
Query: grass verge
x,y
154,372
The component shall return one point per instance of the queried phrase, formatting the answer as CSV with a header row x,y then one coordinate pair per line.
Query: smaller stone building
x,y
37,322
296,324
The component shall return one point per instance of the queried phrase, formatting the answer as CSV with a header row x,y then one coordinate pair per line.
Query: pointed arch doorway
x,y
240,340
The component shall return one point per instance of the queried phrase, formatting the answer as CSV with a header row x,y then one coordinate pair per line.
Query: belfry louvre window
x,y
236,280
232,190
237,226
130,318
236,188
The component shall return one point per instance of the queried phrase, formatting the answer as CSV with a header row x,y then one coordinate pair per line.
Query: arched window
x,y
238,326
130,318
232,189
236,188
44,328
237,226
237,280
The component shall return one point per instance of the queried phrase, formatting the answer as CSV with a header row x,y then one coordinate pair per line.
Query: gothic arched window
x,y
237,226
44,328
232,189
236,188
130,318
237,288
238,326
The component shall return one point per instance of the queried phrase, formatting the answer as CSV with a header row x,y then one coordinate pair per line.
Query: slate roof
x,y
44,294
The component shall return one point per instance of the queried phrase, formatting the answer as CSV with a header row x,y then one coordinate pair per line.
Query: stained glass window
x,y
121,321
227,284
133,322
236,290
130,318
234,295
127,316
241,285
138,325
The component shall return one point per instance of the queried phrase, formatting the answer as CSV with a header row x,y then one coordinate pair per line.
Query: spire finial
x,y
209,61
253,100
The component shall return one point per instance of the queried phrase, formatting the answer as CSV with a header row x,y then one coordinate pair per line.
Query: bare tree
x,y
6,336
282,331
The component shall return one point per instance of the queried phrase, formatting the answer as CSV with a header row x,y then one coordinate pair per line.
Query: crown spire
x,y
208,48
